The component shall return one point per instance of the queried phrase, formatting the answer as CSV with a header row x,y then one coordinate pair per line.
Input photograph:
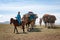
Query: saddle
x,y
19,23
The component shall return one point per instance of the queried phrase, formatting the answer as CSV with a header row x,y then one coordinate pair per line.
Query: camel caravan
x,y
29,19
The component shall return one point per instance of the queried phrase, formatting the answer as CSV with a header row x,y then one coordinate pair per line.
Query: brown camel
x,y
49,20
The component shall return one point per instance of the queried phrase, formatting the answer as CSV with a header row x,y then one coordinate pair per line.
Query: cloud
x,y
27,7
6,18
0,16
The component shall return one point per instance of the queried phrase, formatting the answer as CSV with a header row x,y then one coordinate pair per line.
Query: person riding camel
x,y
18,18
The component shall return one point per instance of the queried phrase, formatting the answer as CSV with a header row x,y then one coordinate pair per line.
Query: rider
x,y
18,18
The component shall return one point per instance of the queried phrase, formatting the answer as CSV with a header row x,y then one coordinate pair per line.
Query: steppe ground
x,y
38,33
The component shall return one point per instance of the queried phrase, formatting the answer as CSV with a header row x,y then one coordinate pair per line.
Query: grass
x,y
38,33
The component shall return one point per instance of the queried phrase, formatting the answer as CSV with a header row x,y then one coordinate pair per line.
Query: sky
x,y
10,8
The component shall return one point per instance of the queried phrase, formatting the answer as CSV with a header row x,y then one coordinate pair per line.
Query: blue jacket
x,y
18,18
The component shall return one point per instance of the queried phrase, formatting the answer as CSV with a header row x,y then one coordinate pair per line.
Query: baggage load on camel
x,y
32,16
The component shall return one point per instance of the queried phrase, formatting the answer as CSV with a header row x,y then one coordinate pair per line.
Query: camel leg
x,y
49,25
27,26
53,25
32,24
40,24
45,25
23,29
28,29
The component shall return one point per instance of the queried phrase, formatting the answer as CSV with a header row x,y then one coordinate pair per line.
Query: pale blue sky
x,y
22,3
9,8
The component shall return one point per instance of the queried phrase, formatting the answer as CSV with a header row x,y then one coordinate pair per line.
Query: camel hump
x,y
46,14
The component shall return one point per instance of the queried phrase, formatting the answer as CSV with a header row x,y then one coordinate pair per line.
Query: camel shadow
x,y
35,30
22,33
56,27
31,30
